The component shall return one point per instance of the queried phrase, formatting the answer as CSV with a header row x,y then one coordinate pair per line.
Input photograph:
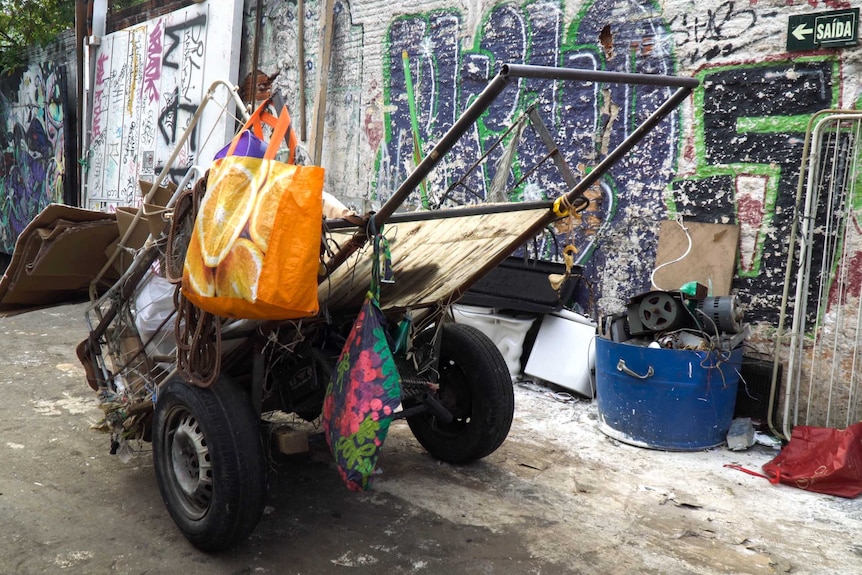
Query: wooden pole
x,y
255,55
80,36
300,56
325,51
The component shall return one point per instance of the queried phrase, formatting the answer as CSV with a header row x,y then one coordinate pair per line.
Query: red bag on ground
x,y
821,459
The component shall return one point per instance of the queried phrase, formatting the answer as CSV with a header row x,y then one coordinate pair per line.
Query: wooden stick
x,y
325,50
300,56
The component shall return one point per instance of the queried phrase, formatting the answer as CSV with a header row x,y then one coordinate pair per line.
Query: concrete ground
x,y
557,497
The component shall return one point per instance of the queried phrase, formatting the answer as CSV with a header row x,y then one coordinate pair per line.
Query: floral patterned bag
x,y
365,389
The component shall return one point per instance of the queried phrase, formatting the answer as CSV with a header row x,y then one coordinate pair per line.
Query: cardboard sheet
x,y
56,257
711,261
64,248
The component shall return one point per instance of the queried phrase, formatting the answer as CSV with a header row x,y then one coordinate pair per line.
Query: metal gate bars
x,y
824,271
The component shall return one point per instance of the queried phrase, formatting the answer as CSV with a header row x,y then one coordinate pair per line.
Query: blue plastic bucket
x,y
675,400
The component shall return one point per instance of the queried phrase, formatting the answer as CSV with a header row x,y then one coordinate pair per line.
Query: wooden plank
x,y
300,57
711,261
431,259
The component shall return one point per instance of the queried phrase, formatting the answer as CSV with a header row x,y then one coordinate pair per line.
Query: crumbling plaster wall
x,y
730,155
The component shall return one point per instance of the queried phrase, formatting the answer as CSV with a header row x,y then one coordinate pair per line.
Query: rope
x,y
198,333
773,480
180,230
563,207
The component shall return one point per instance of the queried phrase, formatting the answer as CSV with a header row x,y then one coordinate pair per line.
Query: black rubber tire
x,y
475,385
209,461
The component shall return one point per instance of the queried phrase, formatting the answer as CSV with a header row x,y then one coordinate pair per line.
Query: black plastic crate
x,y
752,395
522,285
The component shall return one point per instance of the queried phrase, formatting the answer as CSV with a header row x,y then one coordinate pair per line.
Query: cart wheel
x,y
209,461
476,387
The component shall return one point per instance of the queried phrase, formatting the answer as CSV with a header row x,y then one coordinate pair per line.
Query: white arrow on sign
x,y
800,32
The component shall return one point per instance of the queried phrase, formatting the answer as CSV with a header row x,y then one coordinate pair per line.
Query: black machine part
x,y
720,315
656,311
661,311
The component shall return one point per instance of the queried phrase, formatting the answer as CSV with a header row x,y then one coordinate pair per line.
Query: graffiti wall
x,y
730,154
149,81
34,143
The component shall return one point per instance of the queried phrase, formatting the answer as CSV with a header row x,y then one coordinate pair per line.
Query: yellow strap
x,y
561,207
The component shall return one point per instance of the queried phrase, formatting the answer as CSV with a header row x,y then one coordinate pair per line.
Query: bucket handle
x,y
621,366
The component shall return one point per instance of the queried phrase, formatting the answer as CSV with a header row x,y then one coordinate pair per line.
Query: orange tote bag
x,y
255,247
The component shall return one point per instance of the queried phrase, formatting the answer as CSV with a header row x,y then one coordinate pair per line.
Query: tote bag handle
x,y
281,129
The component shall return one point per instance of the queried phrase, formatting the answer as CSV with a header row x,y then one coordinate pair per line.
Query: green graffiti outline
x,y
745,124
772,174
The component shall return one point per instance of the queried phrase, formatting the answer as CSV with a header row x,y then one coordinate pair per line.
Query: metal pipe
x,y
626,145
420,172
474,210
496,86
481,104
588,180
550,73
449,139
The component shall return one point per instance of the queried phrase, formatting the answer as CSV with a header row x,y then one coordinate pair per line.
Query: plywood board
x,y
433,259
711,261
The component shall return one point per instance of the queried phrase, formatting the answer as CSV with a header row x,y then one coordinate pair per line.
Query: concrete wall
x,y
731,154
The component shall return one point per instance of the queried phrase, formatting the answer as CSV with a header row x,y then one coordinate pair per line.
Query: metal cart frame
x,y
458,397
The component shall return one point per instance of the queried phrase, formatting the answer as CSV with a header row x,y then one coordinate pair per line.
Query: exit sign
x,y
834,29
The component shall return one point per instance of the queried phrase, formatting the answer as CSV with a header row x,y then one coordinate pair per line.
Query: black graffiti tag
x,y
723,31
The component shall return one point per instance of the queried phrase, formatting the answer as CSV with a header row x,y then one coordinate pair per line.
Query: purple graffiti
x,y
99,98
33,152
153,69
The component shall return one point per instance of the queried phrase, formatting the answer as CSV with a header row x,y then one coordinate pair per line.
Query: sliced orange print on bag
x,y
196,273
263,216
238,275
246,198
225,208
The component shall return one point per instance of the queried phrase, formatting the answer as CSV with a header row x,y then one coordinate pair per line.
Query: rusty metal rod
x,y
601,76
449,139
626,145
481,104
588,180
